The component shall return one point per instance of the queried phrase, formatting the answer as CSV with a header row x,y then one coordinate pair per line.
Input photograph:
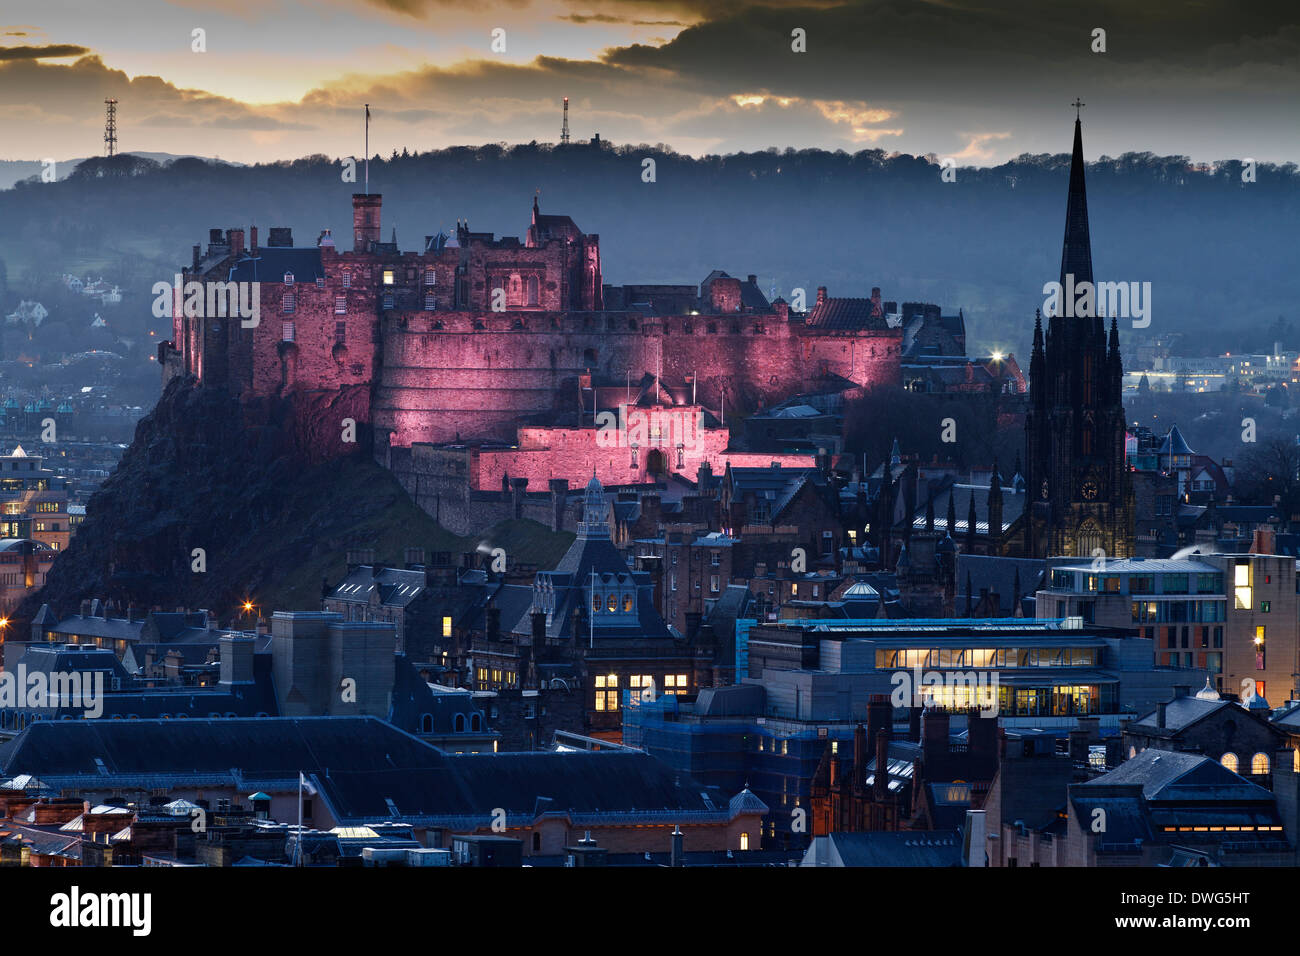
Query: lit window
x,y
446,627
388,277
1229,760
612,604
1259,764
1241,584
627,604
744,841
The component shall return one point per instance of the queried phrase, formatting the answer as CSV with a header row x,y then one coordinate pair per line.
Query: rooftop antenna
x,y
367,150
110,127
564,132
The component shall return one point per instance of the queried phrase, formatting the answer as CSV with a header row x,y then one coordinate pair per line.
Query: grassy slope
x,y
391,529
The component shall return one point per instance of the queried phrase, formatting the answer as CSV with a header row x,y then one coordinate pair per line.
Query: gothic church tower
x,y
1076,477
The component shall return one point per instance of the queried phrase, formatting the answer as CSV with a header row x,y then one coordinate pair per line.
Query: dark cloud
x,y
40,52
611,18
979,80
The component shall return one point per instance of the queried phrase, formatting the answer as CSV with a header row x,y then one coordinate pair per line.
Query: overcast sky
x,y
978,80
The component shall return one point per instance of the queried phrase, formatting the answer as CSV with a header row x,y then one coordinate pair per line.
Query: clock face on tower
x,y
1090,489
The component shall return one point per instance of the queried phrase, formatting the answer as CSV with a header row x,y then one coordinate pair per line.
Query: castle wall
x,y
467,375
576,453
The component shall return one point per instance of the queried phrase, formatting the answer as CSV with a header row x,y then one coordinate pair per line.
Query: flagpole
x,y
297,845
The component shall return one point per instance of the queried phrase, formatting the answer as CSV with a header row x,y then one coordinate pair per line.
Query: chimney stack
x,y
859,758
821,295
881,783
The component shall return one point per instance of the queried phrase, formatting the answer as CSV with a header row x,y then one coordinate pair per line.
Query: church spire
x,y
1076,252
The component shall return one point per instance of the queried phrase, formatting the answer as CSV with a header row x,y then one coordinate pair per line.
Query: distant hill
x,y
1220,253
14,170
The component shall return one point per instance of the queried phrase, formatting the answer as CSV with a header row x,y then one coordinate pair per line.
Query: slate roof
x,y
413,698
1013,505
250,753
272,262
397,587
114,628
1175,444
1180,713
778,486
845,313
899,848
998,574
1167,775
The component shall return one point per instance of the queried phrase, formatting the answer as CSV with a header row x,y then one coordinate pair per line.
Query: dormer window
x,y
627,604
288,278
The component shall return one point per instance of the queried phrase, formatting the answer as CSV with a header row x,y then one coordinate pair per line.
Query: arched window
x,y
1089,538
1229,760
613,603
1259,764
459,723
476,722
596,602
627,604
426,724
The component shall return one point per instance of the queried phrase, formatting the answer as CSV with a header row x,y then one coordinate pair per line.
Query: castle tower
x,y
365,220
1076,474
